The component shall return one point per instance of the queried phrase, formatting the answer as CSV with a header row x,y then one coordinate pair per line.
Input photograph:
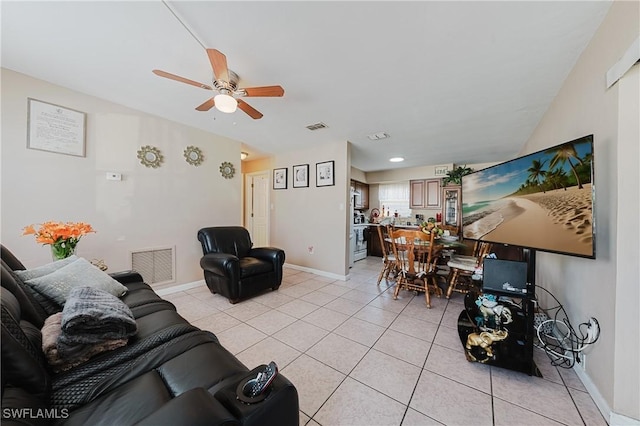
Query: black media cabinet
x,y
488,344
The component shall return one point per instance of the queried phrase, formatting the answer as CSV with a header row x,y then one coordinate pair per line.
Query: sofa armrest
x,y
194,407
126,277
270,254
223,264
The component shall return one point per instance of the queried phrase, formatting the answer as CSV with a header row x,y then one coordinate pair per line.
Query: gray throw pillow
x,y
57,285
43,270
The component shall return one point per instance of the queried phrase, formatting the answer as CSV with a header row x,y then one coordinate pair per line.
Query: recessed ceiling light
x,y
396,159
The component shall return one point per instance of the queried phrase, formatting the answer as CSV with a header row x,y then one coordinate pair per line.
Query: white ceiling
x,y
451,82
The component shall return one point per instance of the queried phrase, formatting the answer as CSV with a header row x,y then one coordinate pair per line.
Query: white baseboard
x,y
317,272
614,419
188,286
181,287
620,420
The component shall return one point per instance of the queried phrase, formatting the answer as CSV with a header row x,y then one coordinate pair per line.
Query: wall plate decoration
x,y
193,155
150,156
227,170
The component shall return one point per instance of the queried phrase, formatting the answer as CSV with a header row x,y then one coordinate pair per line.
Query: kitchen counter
x,y
398,225
374,247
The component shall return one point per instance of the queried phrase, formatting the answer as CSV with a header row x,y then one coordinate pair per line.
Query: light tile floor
x,y
358,357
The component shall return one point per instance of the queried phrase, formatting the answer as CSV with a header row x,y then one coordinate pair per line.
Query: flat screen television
x,y
542,201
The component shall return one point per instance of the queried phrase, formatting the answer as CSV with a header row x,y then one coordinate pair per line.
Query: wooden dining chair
x,y
462,268
453,230
389,262
416,253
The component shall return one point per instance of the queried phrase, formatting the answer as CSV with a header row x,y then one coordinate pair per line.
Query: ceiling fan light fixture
x,y
225,103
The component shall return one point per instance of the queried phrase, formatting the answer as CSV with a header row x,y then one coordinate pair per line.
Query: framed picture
x,y
280,178
55,129
324,174
301,176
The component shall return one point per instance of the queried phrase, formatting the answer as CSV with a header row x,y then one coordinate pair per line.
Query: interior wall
x,y
586,287
148,208
311,223
627,317
407,173
359,175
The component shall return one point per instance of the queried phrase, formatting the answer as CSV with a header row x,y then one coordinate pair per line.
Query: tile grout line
x,y
365,279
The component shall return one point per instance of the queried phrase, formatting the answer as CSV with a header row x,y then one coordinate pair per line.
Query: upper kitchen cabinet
x,y
362,202
425,194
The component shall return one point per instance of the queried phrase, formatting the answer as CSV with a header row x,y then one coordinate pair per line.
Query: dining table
x,y
421,246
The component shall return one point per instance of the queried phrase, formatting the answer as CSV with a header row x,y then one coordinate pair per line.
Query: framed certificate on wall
x,y
55,128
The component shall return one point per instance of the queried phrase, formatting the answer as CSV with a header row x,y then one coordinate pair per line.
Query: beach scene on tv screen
x,y
543,200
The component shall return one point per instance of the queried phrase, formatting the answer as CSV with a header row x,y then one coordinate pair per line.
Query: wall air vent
x,y
156,266
317,126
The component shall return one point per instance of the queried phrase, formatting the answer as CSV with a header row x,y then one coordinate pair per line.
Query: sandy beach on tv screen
x,y
557,220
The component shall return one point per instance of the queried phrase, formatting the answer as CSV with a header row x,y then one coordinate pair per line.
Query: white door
x,y
257,208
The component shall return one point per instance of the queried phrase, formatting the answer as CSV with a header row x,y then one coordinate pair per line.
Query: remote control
x,y
262,381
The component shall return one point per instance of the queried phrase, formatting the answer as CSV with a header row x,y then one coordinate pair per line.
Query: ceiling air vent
x,y
317,126
378,136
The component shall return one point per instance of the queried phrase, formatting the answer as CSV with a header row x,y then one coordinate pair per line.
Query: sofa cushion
x,y
40,271
80,273
251,266
134,400
31,310
23,363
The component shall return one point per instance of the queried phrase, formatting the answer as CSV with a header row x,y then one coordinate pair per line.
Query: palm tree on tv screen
x,y
557,178
536,172
563,154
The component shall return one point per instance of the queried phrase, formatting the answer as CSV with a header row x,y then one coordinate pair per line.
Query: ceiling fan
x,y
226,84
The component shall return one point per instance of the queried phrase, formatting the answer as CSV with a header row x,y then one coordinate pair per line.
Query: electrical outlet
x,y
593,331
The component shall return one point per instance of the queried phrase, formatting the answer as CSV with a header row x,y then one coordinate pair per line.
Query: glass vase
x,y
62,250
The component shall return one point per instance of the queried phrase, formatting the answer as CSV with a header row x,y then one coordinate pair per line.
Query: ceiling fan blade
x,y
206,106
251,111
264,91
219,64
181,79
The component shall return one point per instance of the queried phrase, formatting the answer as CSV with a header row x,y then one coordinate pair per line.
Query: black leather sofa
x,y
169,373
233,267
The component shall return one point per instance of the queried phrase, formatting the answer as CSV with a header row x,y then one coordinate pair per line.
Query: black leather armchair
x,y
233,268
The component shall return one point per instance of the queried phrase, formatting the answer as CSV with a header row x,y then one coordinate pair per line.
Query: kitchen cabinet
x,y
374,247
452,206
364,195
425,194
362,202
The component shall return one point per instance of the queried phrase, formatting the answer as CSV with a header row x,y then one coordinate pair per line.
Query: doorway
x,y
256,207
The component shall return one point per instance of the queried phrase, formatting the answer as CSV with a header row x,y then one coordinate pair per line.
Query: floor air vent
x,y
155,265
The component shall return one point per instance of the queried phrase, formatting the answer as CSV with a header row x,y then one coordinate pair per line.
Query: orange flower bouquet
x,y
63,237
